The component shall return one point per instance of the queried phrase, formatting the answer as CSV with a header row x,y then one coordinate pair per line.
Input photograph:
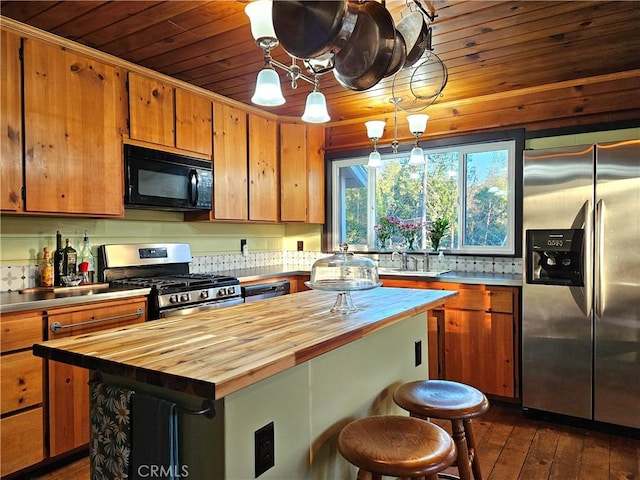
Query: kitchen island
x,y
286,360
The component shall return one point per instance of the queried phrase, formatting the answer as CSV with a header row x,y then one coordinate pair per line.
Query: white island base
x,y
308,404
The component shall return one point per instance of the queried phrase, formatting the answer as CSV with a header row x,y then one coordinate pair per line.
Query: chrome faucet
x,y
404,260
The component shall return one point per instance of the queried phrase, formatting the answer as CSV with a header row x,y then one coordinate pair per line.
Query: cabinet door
x,y
315,172
73,140
264,170
230,194
194,126
479,350
151,110
68,389
10,124
22,441
293,173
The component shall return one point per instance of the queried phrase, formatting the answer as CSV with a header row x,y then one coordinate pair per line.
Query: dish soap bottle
x,y
46,270
86,257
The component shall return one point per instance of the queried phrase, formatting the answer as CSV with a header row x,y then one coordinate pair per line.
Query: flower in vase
x,y
385,229
439,228
410,231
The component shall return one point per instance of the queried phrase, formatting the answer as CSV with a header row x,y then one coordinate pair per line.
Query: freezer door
x,y
617,284
557,343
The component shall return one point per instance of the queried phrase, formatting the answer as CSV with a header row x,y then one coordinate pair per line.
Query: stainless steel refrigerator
x,y
581,288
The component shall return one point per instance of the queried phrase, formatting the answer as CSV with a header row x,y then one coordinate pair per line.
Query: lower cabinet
x,y
474,338
68,392
22,437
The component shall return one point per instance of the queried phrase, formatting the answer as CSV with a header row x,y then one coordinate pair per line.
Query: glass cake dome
x,y
344,272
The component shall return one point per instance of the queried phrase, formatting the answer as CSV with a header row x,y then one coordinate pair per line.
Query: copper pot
x,y
309,28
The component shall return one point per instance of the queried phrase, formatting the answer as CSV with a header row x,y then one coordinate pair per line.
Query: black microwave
x,y
166,181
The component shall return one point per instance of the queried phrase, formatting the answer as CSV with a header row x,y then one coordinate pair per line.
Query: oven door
x,y
174,312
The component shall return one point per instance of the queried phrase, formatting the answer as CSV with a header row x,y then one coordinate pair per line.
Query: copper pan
x,y
365,59
309,28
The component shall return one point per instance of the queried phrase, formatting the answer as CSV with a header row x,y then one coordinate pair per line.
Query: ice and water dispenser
x,y
555,257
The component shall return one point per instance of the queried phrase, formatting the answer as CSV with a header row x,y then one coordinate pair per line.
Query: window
x,y
472,186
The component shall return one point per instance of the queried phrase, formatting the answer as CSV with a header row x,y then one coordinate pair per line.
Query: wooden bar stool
x,y
452,401
398,446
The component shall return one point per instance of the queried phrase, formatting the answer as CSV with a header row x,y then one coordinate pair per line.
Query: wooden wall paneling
x,y
10,123
569,103
72,133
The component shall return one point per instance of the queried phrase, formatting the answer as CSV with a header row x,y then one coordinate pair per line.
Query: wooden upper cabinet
x,y
10,123
316,174
194,122
151,110
73,133
167,116
230,194
264,170
302,173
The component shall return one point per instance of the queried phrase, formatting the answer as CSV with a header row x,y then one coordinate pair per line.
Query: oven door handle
x,y
194,180
56,326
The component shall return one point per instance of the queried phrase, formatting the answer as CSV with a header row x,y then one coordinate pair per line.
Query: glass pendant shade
x,y
268,92
259,13
316,109
375,160
417,123
417,156
375,128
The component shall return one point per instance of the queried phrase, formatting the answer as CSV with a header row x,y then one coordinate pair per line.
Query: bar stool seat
x,y
452,401
396,446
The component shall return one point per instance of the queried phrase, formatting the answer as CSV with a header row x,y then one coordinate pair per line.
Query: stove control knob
x,y
173,299
231,290
184,297
204,294
222,292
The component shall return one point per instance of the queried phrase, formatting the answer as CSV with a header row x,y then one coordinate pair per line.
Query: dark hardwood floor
x,y
514,447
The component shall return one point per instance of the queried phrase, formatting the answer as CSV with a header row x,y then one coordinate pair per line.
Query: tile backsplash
x,y
13,278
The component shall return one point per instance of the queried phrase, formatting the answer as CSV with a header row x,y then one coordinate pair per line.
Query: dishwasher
x,y
252,293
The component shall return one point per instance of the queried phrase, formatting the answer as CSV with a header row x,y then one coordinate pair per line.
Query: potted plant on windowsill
x,y
439,228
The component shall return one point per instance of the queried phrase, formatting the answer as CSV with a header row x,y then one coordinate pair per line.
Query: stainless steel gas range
x,y
164,268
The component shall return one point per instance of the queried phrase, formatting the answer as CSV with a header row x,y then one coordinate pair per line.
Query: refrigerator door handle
x,y
587,256
599,258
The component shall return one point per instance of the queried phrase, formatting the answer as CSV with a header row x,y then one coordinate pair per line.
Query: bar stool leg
x,y
459,438
471,443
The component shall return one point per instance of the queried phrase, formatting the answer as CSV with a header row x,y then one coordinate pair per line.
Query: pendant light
x,y
316,108
268,91
417,126
375,129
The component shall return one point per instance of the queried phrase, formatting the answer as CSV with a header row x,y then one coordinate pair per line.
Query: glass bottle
x,y
85,255
58,261
70,259
46,270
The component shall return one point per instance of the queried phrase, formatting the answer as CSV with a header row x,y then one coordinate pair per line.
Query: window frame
x,y
357,157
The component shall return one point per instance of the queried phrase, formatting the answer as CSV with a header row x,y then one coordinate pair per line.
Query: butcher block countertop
x,y
216,352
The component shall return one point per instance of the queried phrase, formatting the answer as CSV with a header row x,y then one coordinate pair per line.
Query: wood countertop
x,y
216,352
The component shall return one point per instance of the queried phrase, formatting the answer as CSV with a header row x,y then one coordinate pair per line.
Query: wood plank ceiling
x,y
489,47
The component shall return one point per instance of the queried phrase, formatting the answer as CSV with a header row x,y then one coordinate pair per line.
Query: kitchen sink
x,y
413,273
